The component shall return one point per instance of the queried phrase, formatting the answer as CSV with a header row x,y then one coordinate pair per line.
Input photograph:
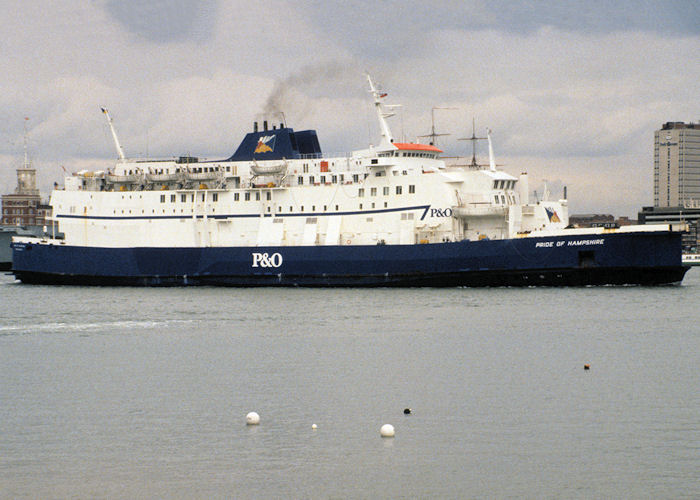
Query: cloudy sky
x,y
572,90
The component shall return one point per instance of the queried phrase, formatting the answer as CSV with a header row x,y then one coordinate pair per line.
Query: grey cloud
x,y
165,20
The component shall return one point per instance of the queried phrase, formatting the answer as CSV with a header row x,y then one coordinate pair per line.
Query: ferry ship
x,y
279,212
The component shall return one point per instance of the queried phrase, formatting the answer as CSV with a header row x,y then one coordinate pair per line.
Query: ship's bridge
x,y
412,150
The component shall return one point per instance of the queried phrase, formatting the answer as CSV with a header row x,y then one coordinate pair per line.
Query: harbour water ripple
x,y
142,393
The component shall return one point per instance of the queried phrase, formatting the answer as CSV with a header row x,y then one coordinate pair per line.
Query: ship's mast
x,y
387,137
120,151
434,135
473,138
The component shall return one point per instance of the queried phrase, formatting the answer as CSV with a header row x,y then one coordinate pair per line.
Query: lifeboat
x,y
163,177
274,169
123,179
202,176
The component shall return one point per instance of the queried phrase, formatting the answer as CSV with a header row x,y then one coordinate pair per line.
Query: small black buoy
x,y
586,367
406,411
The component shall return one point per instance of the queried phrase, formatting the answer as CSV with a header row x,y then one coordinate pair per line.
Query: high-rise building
x,y
677,165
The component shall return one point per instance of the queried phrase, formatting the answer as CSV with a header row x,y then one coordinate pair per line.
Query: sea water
x,y
143,392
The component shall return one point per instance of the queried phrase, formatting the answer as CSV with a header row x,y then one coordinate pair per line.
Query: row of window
x,y
503,184
183,197
323,179
18,211
280,208
504,199
247,194
385,190
20,203
18,220
407,154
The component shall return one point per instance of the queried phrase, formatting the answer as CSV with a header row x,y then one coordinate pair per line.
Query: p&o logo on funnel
x,y
266,144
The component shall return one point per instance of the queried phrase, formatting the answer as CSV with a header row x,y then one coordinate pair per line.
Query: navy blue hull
x,y
646,258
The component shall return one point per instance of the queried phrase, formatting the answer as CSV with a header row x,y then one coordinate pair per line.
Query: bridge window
x,y
386,191
300,180
399,189
247,197
361,192
268,195
411,188
162,198
334,179
373,192
214,197
172,198
323,179
257,196
311,179
236,196
355,178
183,198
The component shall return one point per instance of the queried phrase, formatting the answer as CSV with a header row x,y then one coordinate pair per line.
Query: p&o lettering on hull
x,y
266,260
441,212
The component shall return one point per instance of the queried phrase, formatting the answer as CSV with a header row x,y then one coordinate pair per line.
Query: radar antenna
x,y
120,151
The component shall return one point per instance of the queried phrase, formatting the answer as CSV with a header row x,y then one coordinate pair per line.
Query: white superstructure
x,y
394,193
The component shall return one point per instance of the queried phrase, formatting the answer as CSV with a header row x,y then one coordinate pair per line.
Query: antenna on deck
x,y
434,135
120,151
473,138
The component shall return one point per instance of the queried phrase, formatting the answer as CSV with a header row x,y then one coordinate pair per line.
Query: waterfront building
x,y
24,206
677,164
676,180
689,215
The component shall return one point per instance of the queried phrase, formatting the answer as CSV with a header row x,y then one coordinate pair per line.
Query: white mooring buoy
x,y
387,431
313,426
252,418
